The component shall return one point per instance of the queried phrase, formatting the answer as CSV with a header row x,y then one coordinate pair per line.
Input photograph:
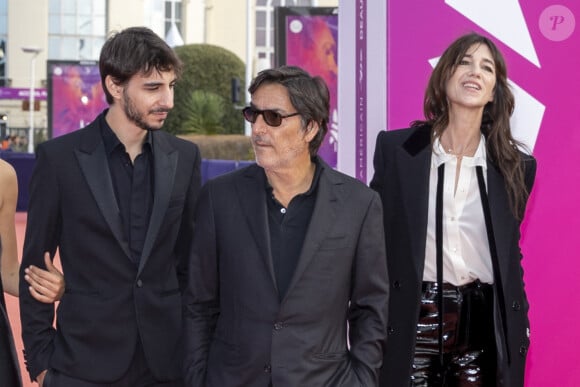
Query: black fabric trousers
x,y
469,352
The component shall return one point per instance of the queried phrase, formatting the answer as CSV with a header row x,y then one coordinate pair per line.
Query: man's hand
x,y
45,285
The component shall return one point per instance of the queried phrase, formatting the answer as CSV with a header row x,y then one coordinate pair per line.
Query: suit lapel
x,y
500,213
164,168
413,160
252,200
93,162
330,195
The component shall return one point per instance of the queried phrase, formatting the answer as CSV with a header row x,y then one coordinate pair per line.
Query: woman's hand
x,y
45,285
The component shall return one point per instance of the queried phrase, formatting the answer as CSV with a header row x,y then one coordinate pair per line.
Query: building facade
x,y
33,31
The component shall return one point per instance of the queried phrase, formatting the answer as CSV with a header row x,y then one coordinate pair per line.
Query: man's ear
x,y
113,87
311,130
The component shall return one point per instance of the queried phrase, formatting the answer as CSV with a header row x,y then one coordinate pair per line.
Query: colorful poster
x,y
75,96
540,41
311,41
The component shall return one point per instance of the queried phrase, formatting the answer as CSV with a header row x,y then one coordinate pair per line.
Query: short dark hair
x,y
132,51
309,96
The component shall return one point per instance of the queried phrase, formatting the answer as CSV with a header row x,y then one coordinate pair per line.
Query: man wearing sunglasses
x,y
287,283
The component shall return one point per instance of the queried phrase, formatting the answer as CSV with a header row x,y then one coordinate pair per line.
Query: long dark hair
x,y
501,147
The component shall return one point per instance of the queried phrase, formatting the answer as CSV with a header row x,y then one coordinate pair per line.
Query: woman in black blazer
x,y
454,188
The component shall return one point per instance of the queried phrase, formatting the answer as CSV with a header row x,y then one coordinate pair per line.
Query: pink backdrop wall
x,y
418,31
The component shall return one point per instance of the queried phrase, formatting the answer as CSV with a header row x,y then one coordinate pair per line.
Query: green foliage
x,y
208,69
204,113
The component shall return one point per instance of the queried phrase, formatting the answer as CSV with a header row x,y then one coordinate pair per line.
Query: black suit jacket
x,y
238,332
109,302
402,161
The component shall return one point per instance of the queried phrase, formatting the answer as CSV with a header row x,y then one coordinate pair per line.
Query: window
x,y
265,27
76,29
173,23
174,14
3,18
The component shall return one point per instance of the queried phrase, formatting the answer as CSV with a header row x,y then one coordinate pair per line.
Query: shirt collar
x,y
112,141
441,157
315,180
109,137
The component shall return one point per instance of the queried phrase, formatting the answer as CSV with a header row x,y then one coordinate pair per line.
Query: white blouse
x,y
466,255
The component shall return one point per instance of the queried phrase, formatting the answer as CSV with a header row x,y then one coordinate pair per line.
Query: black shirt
x,y
133,184
288,228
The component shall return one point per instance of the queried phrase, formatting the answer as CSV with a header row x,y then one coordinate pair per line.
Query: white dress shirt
x,y
466,255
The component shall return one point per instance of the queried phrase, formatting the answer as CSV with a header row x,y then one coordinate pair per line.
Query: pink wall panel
x,y
418,31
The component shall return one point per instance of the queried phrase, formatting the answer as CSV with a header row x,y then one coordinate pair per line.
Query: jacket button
x,y
397,285
267,368
278,326
523,350
516,306
390,330
139,283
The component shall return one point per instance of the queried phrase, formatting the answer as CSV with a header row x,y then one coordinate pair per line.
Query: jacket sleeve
x,y
201,298
379,164
529,172
184,239
369,297
529,178
42,234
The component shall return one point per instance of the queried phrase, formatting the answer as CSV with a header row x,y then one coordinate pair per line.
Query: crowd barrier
x,y
23,163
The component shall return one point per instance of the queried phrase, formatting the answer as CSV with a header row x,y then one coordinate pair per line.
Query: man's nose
x,y
166,98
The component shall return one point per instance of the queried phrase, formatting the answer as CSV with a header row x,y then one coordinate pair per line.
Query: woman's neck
x,y
462,134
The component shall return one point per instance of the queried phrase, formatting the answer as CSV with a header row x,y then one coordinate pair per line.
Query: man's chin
x,y
157,126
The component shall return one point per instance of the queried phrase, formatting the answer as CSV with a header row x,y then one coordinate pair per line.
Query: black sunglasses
x,y
272,117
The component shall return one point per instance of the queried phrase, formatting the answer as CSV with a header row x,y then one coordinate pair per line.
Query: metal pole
x,y
249,58
31,105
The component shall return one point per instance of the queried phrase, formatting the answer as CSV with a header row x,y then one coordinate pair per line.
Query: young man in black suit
x,y
288,263
116,198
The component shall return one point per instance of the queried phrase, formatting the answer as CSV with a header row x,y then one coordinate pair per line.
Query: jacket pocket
x,y
331,356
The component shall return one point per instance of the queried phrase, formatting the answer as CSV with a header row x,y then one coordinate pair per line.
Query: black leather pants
x,y
469,353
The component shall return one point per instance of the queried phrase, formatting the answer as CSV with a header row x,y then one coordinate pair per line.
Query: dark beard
x,y
133,114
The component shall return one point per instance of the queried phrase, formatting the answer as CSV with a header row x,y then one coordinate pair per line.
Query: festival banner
x,y
308,37
75,95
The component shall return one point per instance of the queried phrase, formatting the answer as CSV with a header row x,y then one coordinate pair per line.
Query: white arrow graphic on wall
x,y
503,19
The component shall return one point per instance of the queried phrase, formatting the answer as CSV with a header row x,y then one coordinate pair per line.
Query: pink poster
x,y
75,96
541,43
311,43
